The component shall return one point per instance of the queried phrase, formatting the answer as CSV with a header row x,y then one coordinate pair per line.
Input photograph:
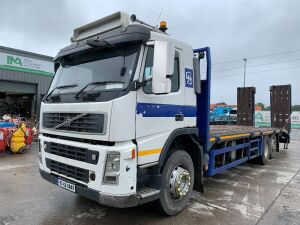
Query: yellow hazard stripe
x,y
234,136
268,132
149,152
212,139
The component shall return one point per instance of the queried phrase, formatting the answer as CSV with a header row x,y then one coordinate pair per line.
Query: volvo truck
x,y
126,118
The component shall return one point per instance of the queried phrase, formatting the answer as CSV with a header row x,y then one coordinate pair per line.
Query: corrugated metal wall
x,y
42,82
17,87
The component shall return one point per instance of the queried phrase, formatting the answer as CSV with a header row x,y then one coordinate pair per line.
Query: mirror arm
x,y
135,85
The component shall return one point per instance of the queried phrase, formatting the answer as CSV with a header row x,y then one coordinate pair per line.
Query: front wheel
x,y
177,182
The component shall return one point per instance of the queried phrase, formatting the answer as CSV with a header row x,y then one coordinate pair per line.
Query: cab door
x,y
158,115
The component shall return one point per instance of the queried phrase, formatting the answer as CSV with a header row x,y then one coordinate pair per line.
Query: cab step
x,y
147,192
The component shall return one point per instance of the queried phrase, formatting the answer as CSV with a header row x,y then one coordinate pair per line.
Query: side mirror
x,y
163,66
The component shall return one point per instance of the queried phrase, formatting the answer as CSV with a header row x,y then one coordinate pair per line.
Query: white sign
x,y
263,118
25,64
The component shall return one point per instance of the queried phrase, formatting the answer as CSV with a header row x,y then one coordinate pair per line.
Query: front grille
x,y
83,140
68,171
76,122
72,152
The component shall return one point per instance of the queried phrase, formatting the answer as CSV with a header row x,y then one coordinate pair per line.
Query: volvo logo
x,y
68,121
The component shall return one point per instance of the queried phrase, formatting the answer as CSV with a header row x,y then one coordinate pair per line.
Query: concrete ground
x,y
247,194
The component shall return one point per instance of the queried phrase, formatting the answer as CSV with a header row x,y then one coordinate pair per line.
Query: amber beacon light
x,y
163,26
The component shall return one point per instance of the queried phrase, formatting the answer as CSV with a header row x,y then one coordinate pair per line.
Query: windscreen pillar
x,y
245,106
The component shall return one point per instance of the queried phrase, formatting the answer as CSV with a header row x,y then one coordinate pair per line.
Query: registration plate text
x,y
66,185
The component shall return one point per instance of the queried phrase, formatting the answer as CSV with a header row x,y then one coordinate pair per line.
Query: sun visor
x,y
113,21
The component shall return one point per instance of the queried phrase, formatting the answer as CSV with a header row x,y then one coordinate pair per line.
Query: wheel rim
x,y
180,182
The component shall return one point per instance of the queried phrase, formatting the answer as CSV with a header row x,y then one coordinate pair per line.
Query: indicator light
x,y
133,153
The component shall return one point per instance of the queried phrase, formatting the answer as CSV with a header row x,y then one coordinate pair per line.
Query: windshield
x,y
111,69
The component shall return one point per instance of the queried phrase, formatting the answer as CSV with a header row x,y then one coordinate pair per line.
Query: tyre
x,y
264,158
273,145
177,183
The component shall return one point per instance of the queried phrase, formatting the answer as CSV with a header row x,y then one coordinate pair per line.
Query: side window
x,y
149,69
175,77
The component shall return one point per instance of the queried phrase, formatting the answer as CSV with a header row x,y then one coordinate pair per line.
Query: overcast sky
x,y
234,29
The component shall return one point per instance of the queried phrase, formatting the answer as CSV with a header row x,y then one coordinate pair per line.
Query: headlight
x,y
112,168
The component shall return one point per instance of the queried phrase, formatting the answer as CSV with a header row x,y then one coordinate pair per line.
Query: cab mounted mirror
x,y
163,66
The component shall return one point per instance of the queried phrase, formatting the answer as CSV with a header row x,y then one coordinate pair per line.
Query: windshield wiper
x,y
95,83
60,87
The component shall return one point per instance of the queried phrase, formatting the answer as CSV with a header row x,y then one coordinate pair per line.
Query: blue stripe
x,y
165,110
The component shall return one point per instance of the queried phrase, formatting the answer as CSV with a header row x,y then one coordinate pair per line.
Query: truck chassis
x,y
233,145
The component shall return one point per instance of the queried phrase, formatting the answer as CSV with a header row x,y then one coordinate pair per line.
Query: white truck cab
x,y
126,118
118,124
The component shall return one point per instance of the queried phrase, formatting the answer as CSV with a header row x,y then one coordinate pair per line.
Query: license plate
x,y
66,185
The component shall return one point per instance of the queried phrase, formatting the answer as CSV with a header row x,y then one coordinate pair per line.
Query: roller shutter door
x,y
17,87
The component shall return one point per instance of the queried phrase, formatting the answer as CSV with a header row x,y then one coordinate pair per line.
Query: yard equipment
x,y
18,139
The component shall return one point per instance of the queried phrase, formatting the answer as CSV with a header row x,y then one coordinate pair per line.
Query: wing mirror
x,y
163,67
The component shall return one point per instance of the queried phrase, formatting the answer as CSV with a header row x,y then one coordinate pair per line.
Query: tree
x,y
296,108
267,108
261,105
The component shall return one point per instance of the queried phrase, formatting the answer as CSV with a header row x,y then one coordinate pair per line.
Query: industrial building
x,y
25,78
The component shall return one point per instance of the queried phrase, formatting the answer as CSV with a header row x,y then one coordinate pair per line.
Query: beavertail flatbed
x,y
219,133
231,145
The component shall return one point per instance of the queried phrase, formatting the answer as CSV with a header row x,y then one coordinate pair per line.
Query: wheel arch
x,y
185,139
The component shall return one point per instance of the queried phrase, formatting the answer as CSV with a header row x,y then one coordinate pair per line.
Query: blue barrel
x,y
7,124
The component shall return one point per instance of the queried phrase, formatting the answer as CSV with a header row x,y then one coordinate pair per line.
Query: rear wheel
x,y
177,182
264,158
274,145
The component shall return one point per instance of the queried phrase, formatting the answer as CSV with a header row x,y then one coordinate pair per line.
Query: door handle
x,y
179,117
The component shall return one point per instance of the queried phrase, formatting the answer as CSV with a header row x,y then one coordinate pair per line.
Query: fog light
x,y
92,176
112,168
94,157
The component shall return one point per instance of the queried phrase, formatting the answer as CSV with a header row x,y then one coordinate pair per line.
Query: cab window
x,y
148,72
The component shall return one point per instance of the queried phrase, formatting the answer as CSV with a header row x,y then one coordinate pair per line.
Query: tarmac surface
x,y
247,194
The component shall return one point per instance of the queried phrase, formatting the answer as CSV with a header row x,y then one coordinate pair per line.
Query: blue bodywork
x,y
244,151
164,110
203,101
248,150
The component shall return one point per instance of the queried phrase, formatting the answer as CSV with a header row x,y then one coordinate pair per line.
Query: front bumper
x,y
103,199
